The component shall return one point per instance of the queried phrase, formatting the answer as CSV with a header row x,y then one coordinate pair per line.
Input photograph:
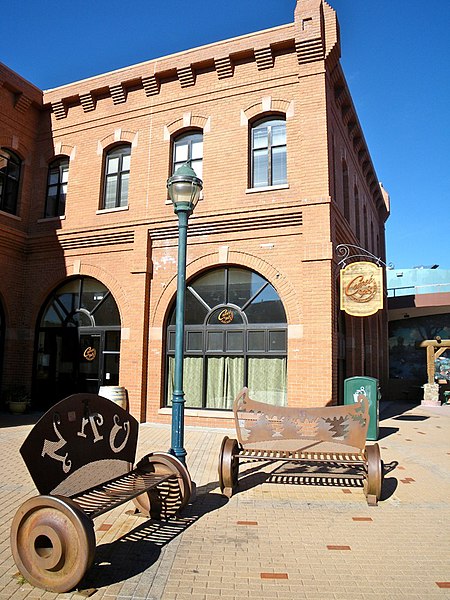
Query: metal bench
x,y
334,436
80,456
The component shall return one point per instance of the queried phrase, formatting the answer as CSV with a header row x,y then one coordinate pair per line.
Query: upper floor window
x,y
268,149
117,173
10,165
58,174
189,147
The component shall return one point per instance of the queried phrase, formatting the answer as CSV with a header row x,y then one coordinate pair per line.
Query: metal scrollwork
x,y
349,252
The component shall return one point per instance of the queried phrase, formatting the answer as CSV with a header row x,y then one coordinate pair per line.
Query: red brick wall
x,y
286,235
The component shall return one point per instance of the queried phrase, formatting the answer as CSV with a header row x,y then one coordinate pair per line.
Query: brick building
x,y
88,240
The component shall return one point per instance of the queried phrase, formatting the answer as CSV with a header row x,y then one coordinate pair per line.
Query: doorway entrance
x,y
78,342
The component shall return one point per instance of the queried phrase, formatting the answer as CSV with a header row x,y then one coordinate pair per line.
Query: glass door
x,y
90,365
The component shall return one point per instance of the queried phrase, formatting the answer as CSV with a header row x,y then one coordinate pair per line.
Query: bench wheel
x,y
228,466
53,542
167,499
374,480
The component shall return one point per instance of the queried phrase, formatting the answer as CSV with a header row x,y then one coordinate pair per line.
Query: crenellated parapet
x,y
314,36
23,93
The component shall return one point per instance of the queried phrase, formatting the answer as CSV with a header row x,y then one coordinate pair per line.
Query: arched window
x,y
117,173
188,147
10,165
268,152
58,175
78,341
236,335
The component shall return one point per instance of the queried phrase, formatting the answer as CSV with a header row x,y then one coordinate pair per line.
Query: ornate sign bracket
x,y
349,252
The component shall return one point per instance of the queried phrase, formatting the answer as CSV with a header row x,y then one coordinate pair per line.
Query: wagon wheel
x,y
374,480
52,542
169,497
228,466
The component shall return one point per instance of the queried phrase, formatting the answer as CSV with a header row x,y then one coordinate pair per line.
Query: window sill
x,y
10,215
49,219
268,188
102,211
200,412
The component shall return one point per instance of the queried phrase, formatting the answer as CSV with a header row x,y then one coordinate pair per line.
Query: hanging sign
x,y
361,289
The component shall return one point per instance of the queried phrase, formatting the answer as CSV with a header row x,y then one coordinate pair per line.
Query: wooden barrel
x,y
116,394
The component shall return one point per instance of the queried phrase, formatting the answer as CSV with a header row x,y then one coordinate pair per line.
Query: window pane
x,y
113,165
171,341
211,287
53,177
111,191
195,312
112,341
65,174
124,190
112,368
235,341
277,341
242,285
51,206
181,152
266,308
107,313
192,381
225,378
260,168
279,135
197,150
279,166
215,341
260,137
194,341
267,380
93,292
197,165
126,162
256,341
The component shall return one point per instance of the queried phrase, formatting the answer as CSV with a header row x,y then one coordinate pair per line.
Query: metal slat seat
x,y
109,495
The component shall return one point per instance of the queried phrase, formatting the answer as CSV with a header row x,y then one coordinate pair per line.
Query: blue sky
x,y
394,55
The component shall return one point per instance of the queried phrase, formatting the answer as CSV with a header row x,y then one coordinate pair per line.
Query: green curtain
x,y
267,380
225,379
192,381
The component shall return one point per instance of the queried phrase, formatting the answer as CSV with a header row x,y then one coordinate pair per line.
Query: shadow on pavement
x,y
312,474
385,432
10,420
140,548
388,410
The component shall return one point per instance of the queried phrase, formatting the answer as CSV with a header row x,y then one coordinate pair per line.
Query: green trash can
x,y
370,387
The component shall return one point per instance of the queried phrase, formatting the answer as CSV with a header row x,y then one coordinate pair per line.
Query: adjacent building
x,y
88,238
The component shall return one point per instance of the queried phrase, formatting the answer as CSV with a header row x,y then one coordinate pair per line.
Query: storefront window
x,y
236,335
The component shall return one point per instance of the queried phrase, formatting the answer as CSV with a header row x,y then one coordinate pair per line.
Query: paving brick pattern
x,y
271,540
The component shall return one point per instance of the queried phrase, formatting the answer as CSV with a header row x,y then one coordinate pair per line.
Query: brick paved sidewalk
x,y
271,540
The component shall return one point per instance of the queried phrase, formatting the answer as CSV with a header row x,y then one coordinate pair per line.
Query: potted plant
x,y
17,398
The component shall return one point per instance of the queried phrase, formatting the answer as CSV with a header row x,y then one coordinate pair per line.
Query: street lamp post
x,y
184,191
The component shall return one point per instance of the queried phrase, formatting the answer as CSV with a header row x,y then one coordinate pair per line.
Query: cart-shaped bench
x,y
80,455
334,436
